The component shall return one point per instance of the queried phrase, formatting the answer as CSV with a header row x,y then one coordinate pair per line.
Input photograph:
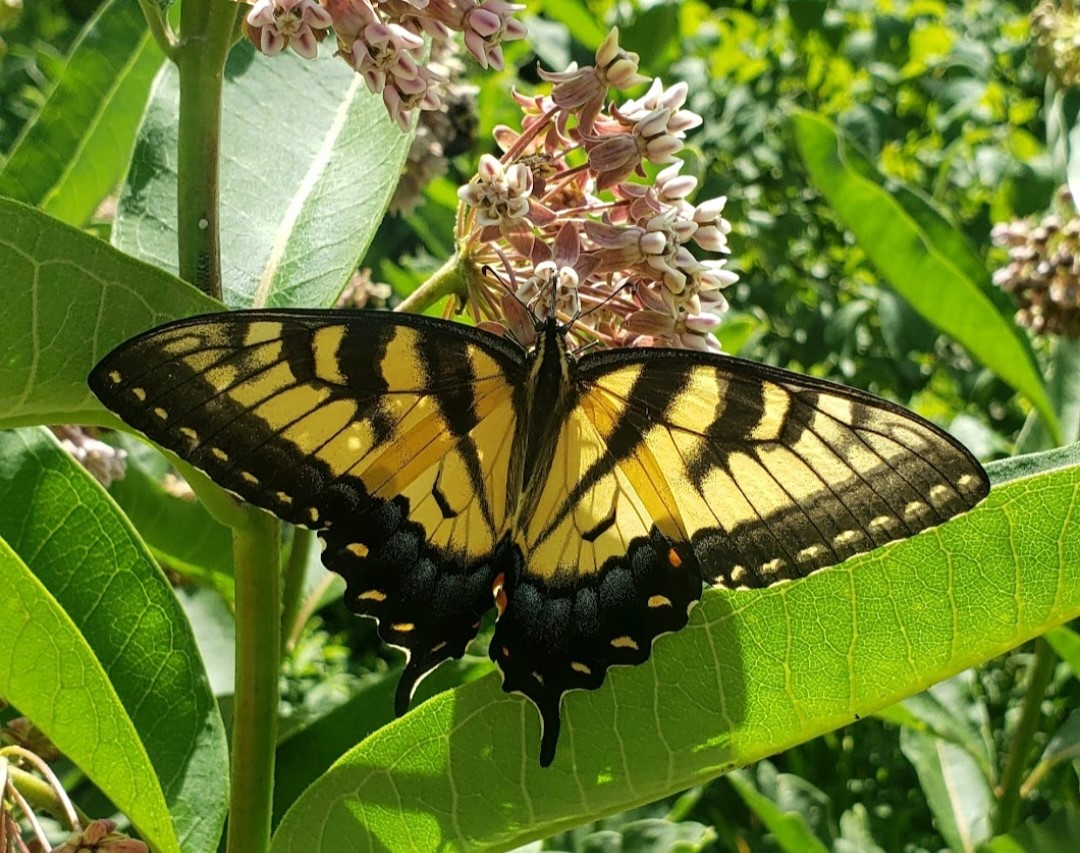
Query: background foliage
x,y
940,96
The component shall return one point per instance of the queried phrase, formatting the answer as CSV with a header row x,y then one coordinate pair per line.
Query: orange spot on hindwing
x,y
498,593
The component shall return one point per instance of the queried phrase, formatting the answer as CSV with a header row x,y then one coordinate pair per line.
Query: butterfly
x,y
588,499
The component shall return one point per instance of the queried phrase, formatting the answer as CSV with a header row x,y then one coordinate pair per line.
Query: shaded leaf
x,y
75,151
789,829
308,752
948,711
855,834
1059,833
1063,386
649,836
955,787
97,653
310,160
1063,746
180,533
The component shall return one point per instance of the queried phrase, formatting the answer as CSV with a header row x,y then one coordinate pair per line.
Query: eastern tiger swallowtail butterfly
x,y
448,470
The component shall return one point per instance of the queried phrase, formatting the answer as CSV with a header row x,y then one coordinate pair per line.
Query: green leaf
x,y
179,531
309,160
1059,833
789,829
578,19
95,650
922,256
753,673
955,787
1063,746
68,299
75,151
1066,643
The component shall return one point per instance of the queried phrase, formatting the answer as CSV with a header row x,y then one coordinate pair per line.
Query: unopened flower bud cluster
x,y
587,199
1043,272
384,40
1055,38
104,462
440,133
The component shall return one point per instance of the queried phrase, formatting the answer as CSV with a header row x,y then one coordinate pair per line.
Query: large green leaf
x,y
753,673
309,160
306,754
179,531
921,255
95,649
76,149
68,299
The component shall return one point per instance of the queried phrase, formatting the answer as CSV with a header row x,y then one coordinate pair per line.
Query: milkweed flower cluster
x,y
384,40
570,205
1055,41
1043,270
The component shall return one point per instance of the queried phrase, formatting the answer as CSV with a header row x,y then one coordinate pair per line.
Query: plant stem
x,y
295,573
206,34
43,797
1039,676
159,27
448,279
258,628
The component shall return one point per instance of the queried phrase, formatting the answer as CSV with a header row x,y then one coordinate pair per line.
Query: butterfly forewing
x,y
775,475
391,436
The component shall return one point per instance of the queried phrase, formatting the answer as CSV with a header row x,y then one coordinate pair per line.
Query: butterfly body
x,y
449,471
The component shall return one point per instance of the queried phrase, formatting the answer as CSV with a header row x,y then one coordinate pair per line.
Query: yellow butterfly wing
x,y
390,435
678,468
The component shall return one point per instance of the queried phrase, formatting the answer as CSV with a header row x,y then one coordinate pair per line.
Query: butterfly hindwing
x,y
595,580
390,435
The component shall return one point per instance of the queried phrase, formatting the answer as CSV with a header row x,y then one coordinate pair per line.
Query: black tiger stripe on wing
x,y
777,474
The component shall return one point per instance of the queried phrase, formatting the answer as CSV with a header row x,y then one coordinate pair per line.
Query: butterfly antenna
x,y
585,347
582,314
487,269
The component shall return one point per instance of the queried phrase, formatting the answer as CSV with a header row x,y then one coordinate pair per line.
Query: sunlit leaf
x,y
753,673
95,650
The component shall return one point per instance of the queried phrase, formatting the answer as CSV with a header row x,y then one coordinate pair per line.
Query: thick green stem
x,y
1042,671
448,279
258,638
295,573
206,34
